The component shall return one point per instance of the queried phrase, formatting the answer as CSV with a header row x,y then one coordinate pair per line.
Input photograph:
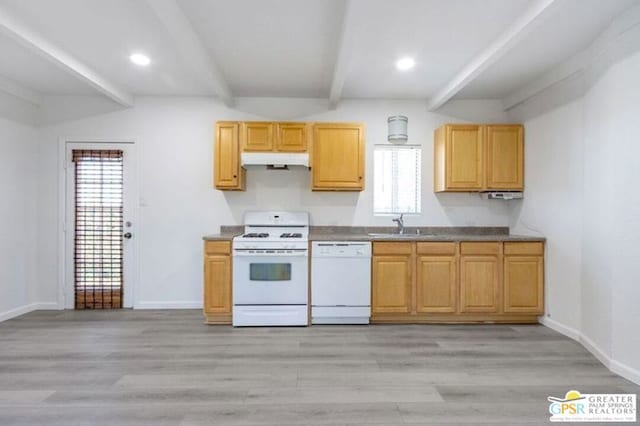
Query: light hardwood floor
x,y
167,368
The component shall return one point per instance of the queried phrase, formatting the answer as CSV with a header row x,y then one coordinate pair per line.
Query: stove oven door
x,y
270,277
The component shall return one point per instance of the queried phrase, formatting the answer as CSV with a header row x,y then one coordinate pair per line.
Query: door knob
x,y
128,235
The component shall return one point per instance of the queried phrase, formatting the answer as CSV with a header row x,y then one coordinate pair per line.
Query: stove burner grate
x,y
291,235
256,235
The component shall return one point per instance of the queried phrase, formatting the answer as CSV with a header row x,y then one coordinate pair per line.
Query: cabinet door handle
x,y
360,177
235,176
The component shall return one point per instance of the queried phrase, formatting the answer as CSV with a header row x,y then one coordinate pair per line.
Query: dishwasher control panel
x,y
341,249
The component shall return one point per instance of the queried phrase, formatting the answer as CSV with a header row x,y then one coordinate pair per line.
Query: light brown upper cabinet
x,y
523,278
336,151
292,137
337,157
505,157
474,158
257,136
260,136
228,175
459,165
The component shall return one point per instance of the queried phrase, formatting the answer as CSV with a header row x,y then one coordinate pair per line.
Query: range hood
x,y
277,160
505,195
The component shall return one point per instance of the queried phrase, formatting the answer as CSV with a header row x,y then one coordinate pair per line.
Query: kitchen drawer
x,y
217,247
392,248
527,248
479,248
436,248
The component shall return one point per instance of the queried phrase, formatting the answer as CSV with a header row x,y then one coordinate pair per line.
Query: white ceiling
x,y
270,48
567,31
35,72
441,35
102,34
290,48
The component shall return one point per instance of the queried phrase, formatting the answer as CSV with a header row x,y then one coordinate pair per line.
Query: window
x,y
397,177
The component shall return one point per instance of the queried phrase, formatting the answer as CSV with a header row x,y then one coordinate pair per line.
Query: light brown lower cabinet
x,y
479,277
423,282
436,278
524,278
392,278
457,282
217,282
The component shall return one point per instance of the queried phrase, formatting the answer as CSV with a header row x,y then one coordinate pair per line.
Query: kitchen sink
x,y
391,235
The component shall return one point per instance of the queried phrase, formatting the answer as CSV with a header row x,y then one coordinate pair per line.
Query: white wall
x,y
611,285
18,218
552,206
582,178
180,205
18,110
290,190
597,237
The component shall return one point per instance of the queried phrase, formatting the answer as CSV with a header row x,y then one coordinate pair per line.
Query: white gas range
x,y
271,270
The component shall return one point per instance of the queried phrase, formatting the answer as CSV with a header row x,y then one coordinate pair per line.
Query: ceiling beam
x,y
346,47
500,46
11,87
54,54
191,47
576,66
563,72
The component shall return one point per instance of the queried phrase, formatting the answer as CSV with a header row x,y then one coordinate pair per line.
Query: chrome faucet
x,y
400,222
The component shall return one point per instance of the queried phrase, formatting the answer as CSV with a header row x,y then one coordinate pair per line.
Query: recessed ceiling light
x,y
140,59
404,64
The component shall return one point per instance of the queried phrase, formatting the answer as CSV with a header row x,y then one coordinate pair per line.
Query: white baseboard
x,y
560,328
49,306
614,366
595,350
169,305
16,312
44,306
625,371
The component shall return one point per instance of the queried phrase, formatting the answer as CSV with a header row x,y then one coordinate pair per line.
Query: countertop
x,y
226,233
359,233
423,237
226,236
423,233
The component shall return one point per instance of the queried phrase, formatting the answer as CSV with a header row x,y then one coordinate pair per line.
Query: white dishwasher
x,y
340,282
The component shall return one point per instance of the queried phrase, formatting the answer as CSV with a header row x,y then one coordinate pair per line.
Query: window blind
x,y
98,272
397,179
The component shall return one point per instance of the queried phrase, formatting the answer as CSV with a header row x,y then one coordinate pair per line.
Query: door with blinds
x,y
100,232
